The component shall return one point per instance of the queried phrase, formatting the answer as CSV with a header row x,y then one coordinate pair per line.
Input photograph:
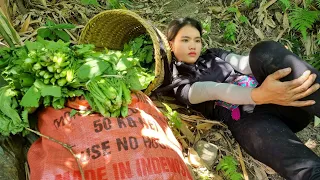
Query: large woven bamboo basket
x,y
113,28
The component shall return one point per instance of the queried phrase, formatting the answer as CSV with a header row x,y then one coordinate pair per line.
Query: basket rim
x,y
143,22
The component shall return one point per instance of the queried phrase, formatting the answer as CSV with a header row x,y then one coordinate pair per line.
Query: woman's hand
x,y
273,91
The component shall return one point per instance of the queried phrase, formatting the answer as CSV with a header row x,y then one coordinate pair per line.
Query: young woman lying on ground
x,y
264,98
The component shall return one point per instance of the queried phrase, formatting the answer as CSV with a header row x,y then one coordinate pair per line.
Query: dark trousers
x,y
267,134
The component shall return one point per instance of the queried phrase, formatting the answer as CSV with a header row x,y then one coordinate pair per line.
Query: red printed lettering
x,y
91,174
123,169
171,164
77,175
177,165
138,168
115,171
146,167
101,173
163,164
156,165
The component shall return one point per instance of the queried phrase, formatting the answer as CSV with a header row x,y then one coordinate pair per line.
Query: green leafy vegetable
x,y
31,98
138,79
10,121
92,69
47,73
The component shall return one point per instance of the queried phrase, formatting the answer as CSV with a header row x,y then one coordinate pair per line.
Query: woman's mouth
x,y
192,54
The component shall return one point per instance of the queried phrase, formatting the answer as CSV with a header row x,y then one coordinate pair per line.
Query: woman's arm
x,y
207,91
271,91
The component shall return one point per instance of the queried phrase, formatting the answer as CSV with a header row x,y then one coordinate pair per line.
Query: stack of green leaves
x,y
47,73
109,95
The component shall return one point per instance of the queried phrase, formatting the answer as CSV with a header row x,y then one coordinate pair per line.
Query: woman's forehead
x,y
189,31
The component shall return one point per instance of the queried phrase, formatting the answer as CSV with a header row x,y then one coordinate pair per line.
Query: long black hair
x,y
175,25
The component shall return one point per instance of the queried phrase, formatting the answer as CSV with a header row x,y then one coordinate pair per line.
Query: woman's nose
x,y
192,46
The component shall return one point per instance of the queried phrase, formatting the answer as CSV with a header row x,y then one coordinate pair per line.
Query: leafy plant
x,y
230,31
308,3
303,19
231,27
229,167
118,4
243,19
315,62
90,2
232,9
53,31
248,2
296,45
238,16
286,4
318,38
173,116
206,25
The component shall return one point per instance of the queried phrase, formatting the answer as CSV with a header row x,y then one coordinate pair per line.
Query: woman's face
x,y
186,46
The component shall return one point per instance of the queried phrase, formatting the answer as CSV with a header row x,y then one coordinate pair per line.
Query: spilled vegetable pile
x,y
47,73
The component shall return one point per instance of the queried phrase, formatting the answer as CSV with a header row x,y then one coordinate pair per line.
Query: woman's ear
x,y
171,45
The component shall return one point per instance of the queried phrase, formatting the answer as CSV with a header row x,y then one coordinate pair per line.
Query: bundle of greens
x,y
47,73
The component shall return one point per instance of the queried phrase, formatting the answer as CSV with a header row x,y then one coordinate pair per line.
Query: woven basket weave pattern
x,y
113,28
